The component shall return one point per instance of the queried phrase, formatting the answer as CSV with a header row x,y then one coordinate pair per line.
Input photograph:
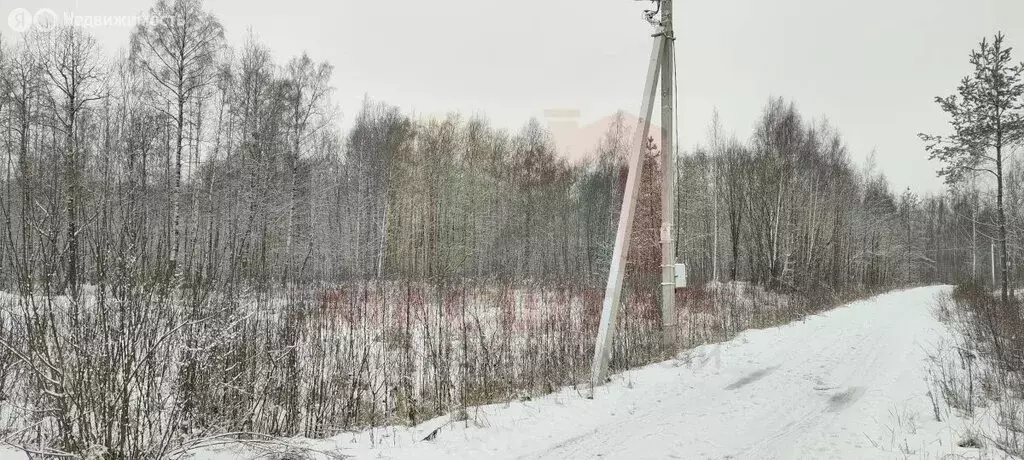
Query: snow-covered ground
x,y
849,383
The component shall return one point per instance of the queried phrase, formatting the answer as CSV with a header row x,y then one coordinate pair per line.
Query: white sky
x,y
871,66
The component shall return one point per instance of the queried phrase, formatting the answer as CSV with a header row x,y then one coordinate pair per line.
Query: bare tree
x,y
308,88
178,50
74,72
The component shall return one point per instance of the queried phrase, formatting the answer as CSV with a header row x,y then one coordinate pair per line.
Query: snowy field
x,y
849,383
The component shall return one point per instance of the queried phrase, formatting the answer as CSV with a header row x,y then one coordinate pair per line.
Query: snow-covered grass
x,y
319,362
980,369
848,383
310,363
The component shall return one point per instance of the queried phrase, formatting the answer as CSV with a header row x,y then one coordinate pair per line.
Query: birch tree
x,y
73,69
177,51
307,90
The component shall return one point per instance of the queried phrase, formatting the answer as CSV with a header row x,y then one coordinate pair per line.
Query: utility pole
x,y
974,227
661,64
992,257
974,243
668,182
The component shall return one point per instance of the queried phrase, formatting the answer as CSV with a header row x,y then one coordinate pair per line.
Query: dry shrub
x,y
139,375
993,351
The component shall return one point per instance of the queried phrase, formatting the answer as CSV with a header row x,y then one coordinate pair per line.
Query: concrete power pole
x,y
992,258
662,63
668,180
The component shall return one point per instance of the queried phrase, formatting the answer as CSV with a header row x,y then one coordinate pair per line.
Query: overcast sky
x,y
872,67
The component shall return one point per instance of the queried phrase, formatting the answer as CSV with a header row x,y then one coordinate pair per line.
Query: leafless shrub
x,y
146,373
988,369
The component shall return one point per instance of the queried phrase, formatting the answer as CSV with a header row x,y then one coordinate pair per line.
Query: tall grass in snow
x,y
136,375
984,372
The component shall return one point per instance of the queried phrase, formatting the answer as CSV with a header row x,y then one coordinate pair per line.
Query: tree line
x,y
184,161
789,210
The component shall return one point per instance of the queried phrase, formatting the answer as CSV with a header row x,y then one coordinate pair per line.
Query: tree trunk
x,y
1005,287
72,190
176,191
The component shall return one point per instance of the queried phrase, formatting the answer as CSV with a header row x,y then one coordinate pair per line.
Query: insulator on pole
x,y
651,15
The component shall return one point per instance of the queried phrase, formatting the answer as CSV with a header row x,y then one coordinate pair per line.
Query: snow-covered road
x,y
849,383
